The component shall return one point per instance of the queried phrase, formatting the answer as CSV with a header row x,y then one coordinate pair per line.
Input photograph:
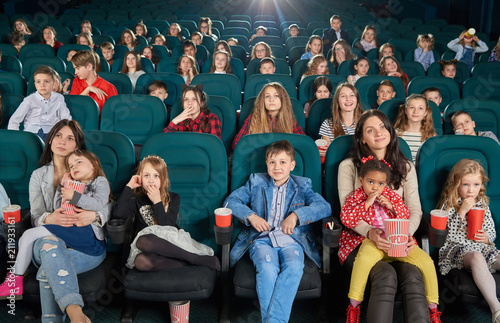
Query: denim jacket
x,y
256,197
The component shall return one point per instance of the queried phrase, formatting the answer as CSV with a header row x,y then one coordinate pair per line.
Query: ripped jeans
x,y
279,271
57,275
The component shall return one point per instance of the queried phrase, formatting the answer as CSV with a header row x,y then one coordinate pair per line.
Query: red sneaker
x,y
353,314
13,285
435,315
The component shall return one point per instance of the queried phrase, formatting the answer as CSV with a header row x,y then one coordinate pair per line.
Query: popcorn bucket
x,y
179,312
396,232
78,187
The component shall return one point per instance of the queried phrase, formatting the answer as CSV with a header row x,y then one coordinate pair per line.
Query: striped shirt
x,y
326,128
414,140
276,217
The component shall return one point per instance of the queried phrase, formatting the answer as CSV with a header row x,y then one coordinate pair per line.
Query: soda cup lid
x,y
321,142
223,211
11,208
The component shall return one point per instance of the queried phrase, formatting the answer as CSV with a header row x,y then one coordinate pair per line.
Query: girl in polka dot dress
x,y
373,202
464,189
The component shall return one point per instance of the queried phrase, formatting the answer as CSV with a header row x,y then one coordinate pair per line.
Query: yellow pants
x,y
369,255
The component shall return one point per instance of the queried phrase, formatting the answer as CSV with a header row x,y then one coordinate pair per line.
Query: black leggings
x,y
384,278
160,254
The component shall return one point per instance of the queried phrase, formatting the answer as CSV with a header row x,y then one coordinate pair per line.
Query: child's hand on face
x,y
66,85
371,198
258,223
134,182
467,204
154,194
482,237
384,201
475,38
396,74
185,114
289,223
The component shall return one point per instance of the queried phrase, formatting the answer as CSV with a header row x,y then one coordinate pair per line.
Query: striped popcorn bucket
x,y
179,311
396,232
78,187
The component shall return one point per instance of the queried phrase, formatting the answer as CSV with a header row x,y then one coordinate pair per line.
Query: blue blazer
x,y
330,37
256,196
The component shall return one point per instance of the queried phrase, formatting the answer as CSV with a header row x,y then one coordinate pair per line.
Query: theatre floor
x,y
244,311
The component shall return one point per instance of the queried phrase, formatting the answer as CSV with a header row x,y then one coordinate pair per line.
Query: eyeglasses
x,y
260,50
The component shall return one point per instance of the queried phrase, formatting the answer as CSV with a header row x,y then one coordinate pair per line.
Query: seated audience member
x,y
232,42
318,65
44,108
108,51
160,90
150,53
389,66
187,68
385,92
341,52
313,47
267,66
293,30
159,40
197,38
464,125
87,82
21,27
223,46
368,40
277,237
272,112
86,27
259,31
449,70
196,116
261,50
86,39
205,27
190,50
49,38
128,39
322,89
17,41
132,67
433,94
220,63
142,30
334,33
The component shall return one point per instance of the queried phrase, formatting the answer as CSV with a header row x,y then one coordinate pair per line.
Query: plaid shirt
x,y
213,125
246,127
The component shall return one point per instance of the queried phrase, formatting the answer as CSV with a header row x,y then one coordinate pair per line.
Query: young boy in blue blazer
x,y
278,210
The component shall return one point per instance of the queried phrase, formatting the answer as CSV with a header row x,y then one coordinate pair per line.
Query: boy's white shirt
x,y
39,113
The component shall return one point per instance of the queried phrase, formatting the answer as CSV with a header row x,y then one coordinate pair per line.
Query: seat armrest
x,y
223,237
119,230
430,236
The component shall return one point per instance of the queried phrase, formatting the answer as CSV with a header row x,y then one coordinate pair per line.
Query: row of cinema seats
x,y
199,173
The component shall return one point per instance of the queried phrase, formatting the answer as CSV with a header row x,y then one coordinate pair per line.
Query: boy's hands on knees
x,y
258,223
482,237
371,198
467,204
375,235
134,182
384,201
289,223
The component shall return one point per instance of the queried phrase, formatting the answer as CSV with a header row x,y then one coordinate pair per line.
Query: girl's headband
x,y
365,159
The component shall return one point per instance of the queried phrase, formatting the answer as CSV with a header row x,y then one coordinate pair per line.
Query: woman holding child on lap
x,y
375,138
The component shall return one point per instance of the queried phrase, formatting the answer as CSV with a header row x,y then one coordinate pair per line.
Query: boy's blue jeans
x,y
57,275
279,271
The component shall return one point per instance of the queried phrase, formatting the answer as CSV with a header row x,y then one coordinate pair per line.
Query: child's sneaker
x,y
353,314
13,285
435,315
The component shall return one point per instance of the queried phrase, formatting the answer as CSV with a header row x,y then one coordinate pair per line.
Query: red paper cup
x,y
179,312
322,146
223,217
11,213
439,219
396,232
474,221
